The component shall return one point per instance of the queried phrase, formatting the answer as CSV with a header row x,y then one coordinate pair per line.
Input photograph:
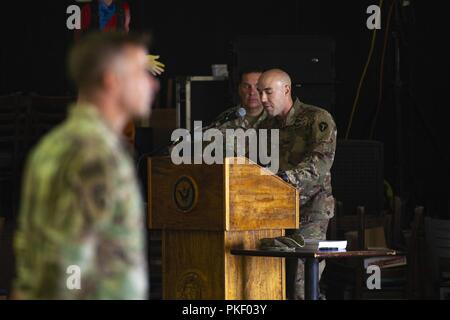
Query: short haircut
x,y
243,72
89,58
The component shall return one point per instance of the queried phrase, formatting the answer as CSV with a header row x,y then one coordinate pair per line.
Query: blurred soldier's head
x,y
274,87
111,70
248,92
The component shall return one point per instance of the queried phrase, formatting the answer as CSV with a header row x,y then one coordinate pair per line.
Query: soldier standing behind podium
x,y
307,149
81,230
249,100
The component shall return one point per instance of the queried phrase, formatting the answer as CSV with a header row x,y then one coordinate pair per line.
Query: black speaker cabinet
x,y
357,175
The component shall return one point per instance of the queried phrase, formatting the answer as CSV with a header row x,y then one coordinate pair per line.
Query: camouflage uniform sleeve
x,y
90,211
91,230
108,241
66,220
92,186
309,175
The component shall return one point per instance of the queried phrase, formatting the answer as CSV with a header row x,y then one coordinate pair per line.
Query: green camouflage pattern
x,y
81,206
290,242
307,149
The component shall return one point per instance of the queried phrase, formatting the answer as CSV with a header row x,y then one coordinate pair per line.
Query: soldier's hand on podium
x,y
156,67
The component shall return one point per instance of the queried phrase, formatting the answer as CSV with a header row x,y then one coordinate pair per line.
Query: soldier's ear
x,y
287,89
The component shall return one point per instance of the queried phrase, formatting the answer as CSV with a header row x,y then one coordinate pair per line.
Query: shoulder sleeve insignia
x,y
323,126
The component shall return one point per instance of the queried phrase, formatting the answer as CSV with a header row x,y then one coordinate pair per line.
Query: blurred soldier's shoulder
x,y
81,135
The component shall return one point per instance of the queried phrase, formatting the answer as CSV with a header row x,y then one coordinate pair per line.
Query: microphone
x,y
238,114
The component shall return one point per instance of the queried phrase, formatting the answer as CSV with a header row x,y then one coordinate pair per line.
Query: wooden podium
x,y
203,212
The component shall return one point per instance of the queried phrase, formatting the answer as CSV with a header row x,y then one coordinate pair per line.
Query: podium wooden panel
x,y
204,211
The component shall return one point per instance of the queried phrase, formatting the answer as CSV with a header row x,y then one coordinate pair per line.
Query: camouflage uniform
x,y
307,148
81,206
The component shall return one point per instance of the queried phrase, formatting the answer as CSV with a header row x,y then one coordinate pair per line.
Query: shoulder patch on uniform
x,y
323,126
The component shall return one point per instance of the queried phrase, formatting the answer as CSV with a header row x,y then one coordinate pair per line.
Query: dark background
x,y
192,35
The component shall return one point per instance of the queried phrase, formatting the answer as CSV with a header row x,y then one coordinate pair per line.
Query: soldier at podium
x,y
307,148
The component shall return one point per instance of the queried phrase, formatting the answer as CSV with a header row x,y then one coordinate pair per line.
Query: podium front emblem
x,y
190,286
185,194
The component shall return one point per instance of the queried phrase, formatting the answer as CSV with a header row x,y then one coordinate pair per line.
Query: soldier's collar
x,y
291,116
89,111
84,110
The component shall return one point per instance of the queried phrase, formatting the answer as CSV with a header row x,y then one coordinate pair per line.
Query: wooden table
x,y
312,262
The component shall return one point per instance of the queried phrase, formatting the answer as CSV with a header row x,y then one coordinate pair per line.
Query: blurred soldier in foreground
x,y
81,231
249,100
307,148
